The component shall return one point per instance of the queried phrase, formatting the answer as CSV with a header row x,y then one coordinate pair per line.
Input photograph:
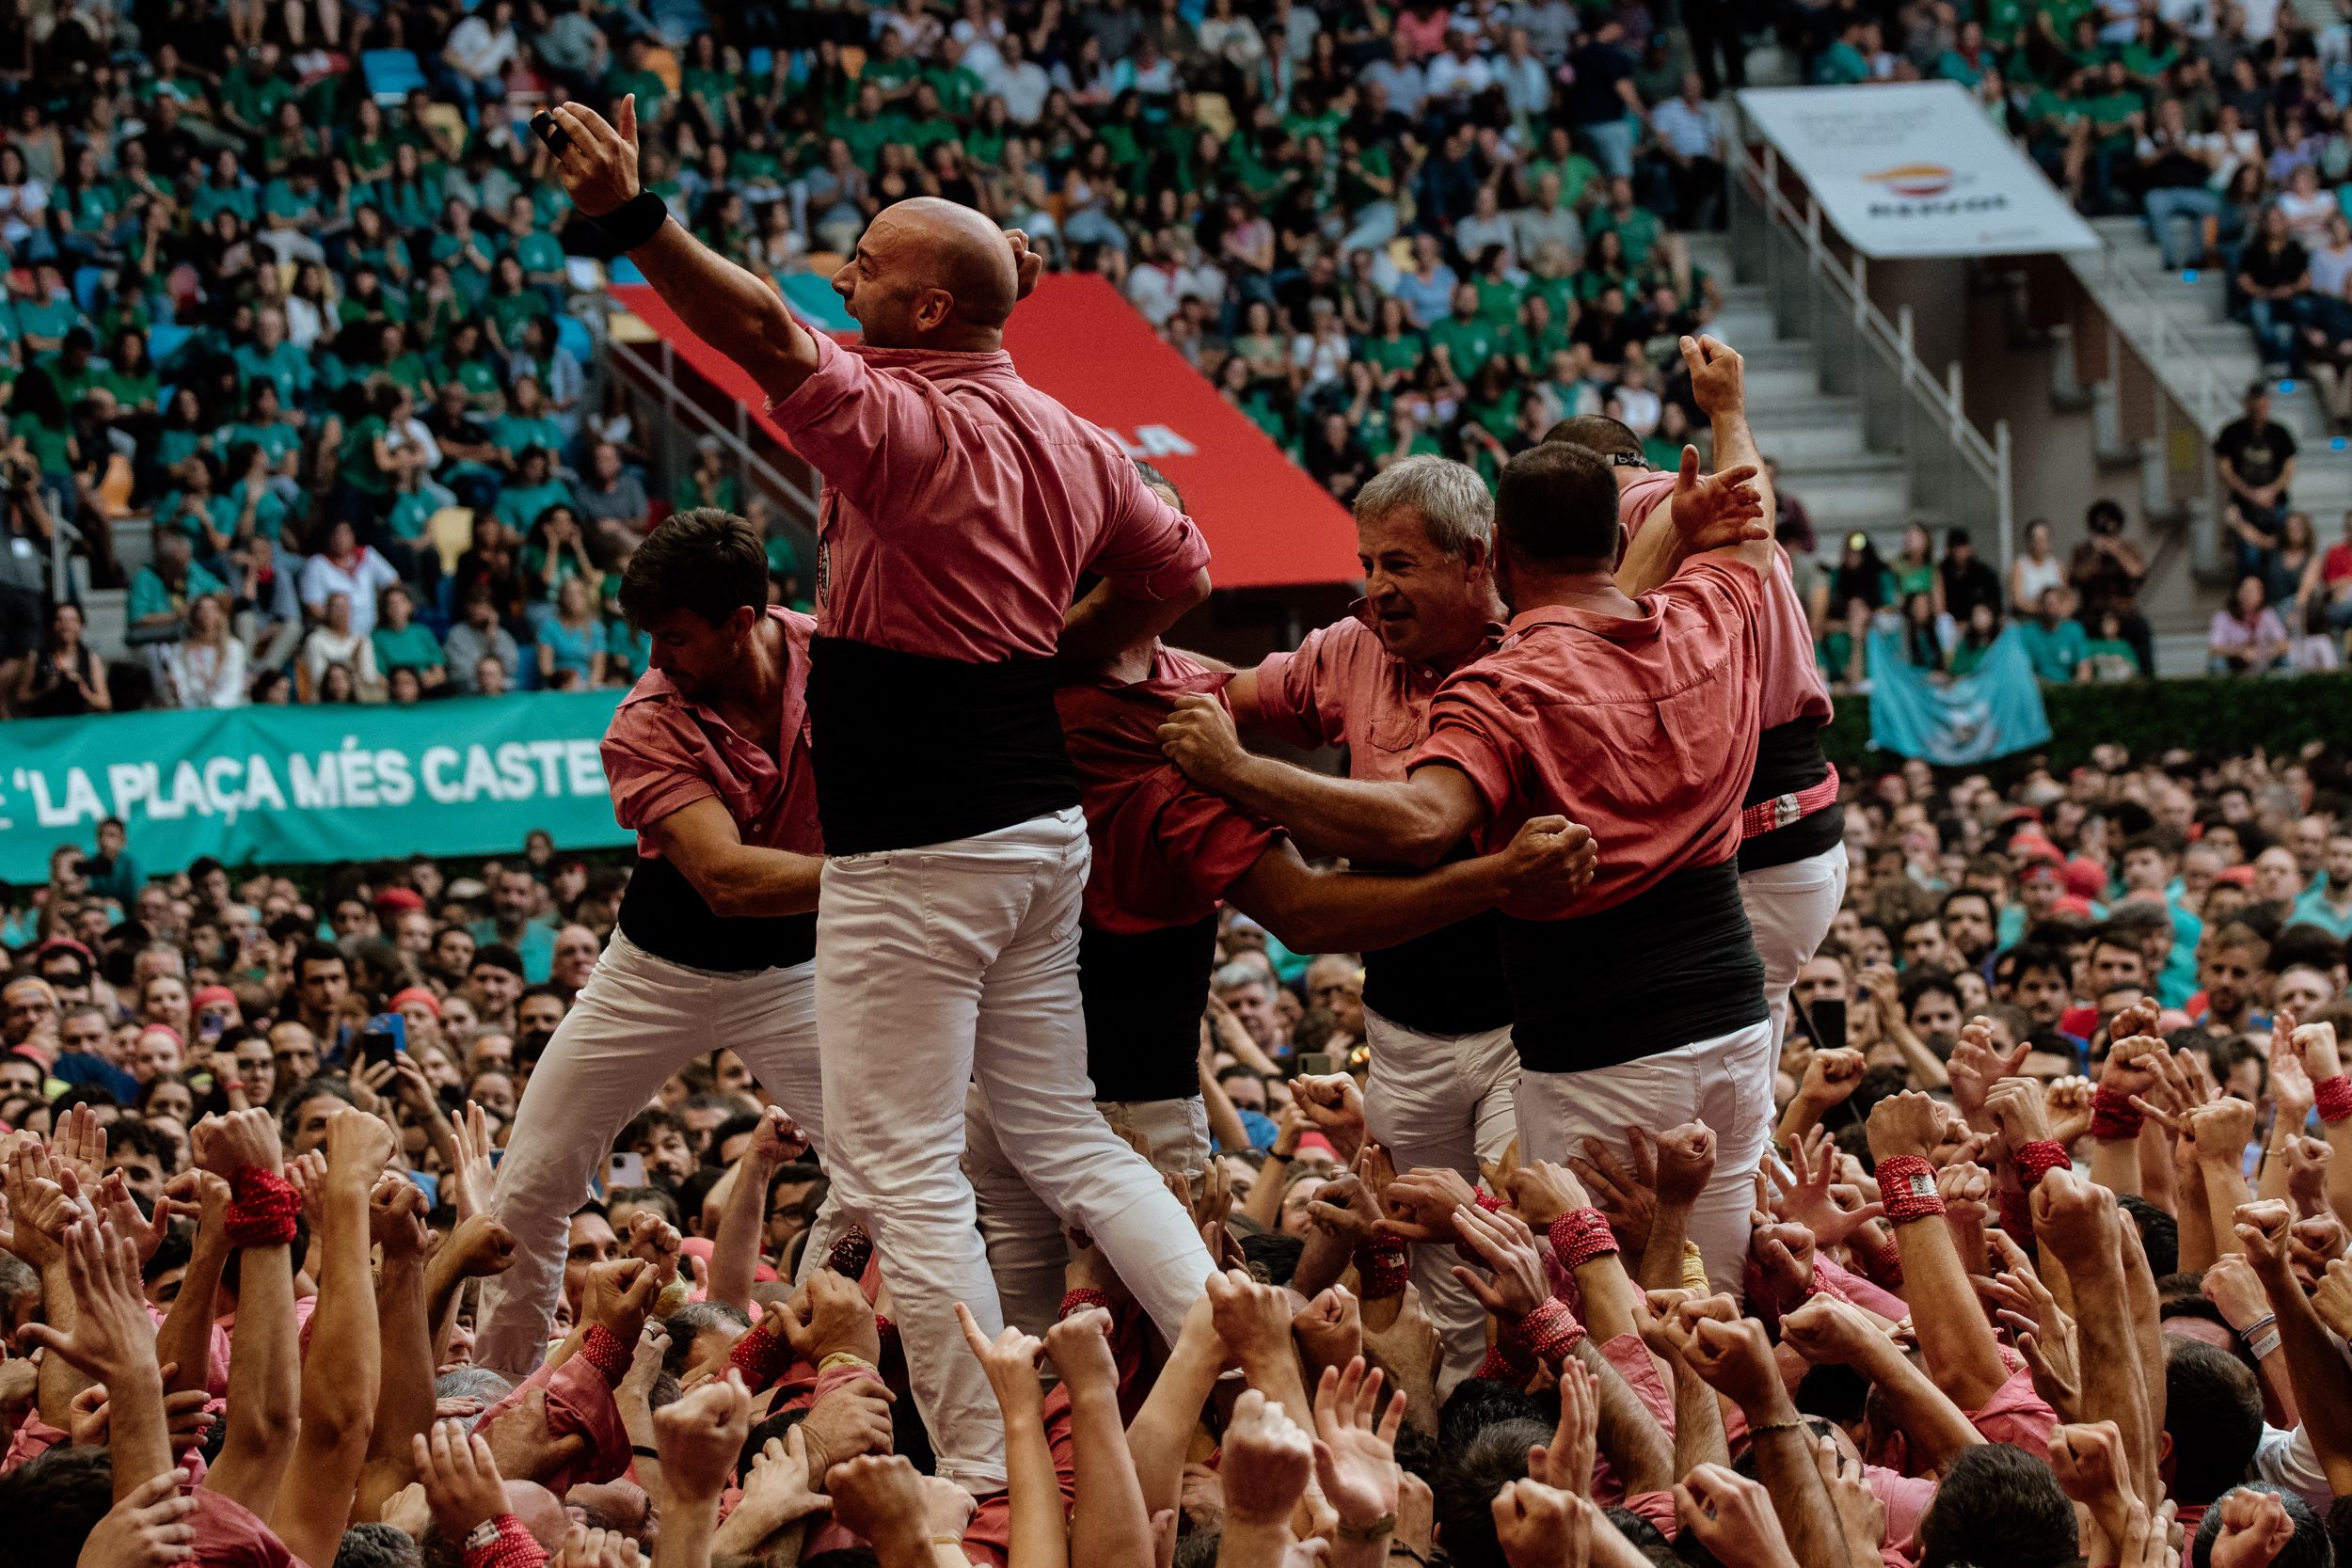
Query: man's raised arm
x,y
720,302
1718,382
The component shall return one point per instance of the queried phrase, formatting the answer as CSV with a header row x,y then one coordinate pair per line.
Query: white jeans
x,y
950,968
1726,1082
636,1022
1027,1253
1443,1100
1790,907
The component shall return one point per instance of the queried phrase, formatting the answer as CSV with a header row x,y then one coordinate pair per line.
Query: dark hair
x,y
2213,1412
690,1320
1926,982
328,1085
1998,1504
378,1545
704,560
2308,1548
1558,504
316,951
497,954
136,1136
1272,1255
644,1198
2159,1233
644,1124
1596,434
774,1426
1469,1480
53,1502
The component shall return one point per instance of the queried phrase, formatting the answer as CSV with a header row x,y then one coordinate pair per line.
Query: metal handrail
x,y
2158,341
673,402
1892,340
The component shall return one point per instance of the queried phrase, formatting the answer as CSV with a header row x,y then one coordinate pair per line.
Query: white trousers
x,y
1726,1082
1443,1100
637,1020
1790,908
1028,1255
949,969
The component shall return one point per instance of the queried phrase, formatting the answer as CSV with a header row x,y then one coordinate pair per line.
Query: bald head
x,y
924,247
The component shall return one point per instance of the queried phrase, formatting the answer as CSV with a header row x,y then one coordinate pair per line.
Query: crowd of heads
x,y
2018,970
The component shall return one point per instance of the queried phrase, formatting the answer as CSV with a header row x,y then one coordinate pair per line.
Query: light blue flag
x,y
1968,718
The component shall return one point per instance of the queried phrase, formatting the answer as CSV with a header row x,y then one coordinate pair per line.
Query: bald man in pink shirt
x,y
960,507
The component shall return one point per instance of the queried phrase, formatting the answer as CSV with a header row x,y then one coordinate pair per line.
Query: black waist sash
x,y
911,750
663,914
1665,969
1789,759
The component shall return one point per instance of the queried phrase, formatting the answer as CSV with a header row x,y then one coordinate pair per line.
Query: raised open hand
x,y
1356,1444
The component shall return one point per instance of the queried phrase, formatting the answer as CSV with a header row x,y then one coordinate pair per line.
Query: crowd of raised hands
x,y
2014,1323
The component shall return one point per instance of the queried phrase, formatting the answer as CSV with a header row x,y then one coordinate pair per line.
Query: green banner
x,y
465,776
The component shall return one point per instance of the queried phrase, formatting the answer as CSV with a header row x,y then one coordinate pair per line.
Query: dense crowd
x,y
2104,1008
268,285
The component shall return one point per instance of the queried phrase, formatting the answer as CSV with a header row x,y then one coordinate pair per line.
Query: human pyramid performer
x,y
1612,1256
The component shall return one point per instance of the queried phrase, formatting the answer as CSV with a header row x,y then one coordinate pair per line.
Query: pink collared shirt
x,y
1792,687
962,504
664,750
1343,688
1642,728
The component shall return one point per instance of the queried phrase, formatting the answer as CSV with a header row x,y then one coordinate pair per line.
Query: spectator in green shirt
x,y
531,491
628,74
402,643
1465,340
709,484
2055,641
160,593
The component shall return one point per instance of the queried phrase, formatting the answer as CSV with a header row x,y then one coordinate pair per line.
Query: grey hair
x,y
1234,975
1454,502
476,1383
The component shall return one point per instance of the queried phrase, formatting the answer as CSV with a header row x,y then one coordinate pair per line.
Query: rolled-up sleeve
x,y
873,435
1470,730
1291,698
653,759
1148,549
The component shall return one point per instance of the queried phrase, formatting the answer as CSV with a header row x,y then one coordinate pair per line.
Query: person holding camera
x,y
68,678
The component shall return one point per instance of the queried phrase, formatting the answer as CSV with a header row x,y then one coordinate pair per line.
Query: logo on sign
x,y
1918,181
1158,440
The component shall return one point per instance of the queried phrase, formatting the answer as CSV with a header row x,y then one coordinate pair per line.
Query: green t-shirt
x,y
253,99
652,95
411,514
46,318
1840,65
725,493
959,88
511,433
1497,300
150,596
520,505
211,200
1402,353
285,367
1468,344
356,461
2055,652
412,647
539,253
275,439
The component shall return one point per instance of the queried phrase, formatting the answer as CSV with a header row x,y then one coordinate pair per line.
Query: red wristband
x,y
1882,1260
2038,1158
262,1206
886,1337
1582,1235
2113,1117
761,1356
850,1253
2333,1099
2017,1216
1078,1301
605,1350
513,1547
1907,1188
1383,1263
1548,1333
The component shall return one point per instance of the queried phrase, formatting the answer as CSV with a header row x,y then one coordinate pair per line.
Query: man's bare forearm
x,y
1342,912
1107,620
727,308
1936,1429
1381,823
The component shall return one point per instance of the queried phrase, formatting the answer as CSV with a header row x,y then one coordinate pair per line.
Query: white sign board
x,y
1916,168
